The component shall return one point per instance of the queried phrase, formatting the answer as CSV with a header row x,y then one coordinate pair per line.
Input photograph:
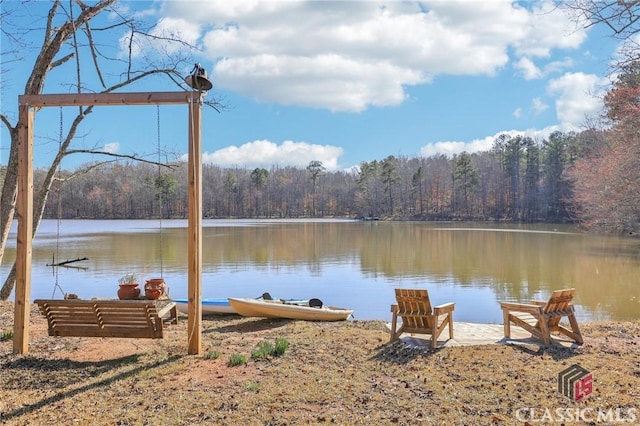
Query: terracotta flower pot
x,y
128,291
154,288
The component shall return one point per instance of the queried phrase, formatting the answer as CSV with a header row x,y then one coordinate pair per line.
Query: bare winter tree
x,y
71,31
622,17
607,178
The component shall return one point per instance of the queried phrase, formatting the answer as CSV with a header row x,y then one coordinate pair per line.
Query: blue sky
x,y
346,82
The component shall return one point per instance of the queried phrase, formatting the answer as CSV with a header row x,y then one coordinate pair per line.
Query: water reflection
x,y
351,264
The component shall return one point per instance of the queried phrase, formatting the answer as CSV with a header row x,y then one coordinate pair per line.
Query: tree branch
x,y
135,157
6,121
94,55
619,16
52,45
61,61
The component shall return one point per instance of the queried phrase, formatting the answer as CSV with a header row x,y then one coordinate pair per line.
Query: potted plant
x,y
129,286
154,288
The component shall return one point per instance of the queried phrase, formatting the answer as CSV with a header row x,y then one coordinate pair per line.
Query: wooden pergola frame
x,y
24,207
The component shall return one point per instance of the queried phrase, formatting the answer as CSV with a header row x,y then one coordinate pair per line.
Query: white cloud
x,y
348,56
264,153
177,29
539,106
338,86
111,147
529,70
558,66
456,147
577,98
517,113
450,148
548,27
165,30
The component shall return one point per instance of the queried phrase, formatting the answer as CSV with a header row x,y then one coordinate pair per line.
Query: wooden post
x,y
24,249
194,261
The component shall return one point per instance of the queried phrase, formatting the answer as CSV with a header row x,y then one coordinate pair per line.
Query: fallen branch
x,y
66,262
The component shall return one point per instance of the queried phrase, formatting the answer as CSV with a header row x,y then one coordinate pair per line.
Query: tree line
x,y
519,179
589,177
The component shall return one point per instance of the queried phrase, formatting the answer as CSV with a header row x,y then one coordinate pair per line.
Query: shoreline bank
x,y
342,373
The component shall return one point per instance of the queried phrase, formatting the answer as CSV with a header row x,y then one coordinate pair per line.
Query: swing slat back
x,y
102,318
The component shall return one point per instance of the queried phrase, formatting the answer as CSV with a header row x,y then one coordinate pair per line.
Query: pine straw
x,y
332,373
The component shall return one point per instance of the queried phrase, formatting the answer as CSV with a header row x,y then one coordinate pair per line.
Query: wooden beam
x,y
24,247
194,259
131,98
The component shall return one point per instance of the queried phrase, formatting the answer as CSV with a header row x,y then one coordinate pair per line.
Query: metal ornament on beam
x,y
198,79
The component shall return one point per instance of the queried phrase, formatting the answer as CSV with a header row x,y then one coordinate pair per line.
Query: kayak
x,y
209,306
283,309
221,306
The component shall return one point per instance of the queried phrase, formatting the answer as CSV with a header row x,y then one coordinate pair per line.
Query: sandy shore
x,y
342,373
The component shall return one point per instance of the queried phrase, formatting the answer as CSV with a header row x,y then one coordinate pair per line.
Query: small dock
x,y
470,334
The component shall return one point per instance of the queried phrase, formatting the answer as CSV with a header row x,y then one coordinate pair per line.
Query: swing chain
x,y
59,212
161,195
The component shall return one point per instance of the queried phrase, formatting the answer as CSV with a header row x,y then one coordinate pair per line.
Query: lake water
x,y
348,263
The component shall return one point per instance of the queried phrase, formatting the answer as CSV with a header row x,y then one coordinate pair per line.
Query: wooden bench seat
x,y
103,318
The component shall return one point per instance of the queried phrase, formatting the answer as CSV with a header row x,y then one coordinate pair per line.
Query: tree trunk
x,y
9,194
55,38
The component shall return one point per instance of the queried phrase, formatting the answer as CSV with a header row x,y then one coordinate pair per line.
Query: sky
x,y
344,82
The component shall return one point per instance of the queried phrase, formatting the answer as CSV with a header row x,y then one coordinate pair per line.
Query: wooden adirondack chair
x,y
418,317
543,318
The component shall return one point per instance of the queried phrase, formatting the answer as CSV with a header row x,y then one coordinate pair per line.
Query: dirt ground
x,y
343,373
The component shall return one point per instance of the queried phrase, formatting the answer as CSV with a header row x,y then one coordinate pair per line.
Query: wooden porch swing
x,y
106,318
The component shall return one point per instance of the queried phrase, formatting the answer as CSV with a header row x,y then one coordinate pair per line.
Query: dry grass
x,y
341,373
